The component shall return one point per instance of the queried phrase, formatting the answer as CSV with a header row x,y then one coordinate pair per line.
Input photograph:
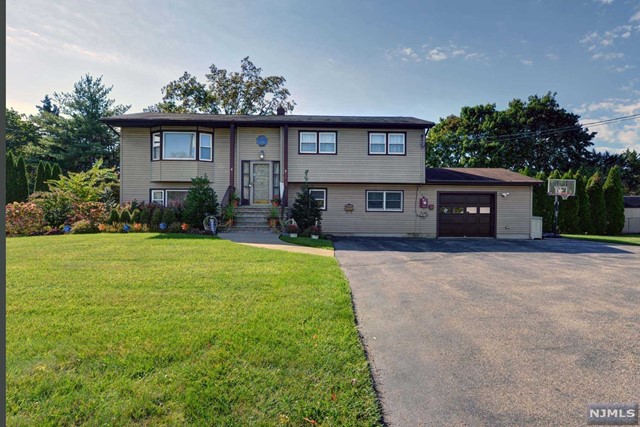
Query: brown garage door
x,y
466,214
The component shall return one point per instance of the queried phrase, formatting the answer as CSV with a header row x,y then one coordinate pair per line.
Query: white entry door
x,y
261,183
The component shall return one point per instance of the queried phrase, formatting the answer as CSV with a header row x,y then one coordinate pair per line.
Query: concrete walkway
x,y
270,240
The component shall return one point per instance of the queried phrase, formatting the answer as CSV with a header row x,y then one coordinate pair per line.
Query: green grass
x,y
147,329
308,241
626,239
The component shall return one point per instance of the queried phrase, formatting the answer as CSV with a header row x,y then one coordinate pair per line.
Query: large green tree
x,y
597,205
22,136
22,180
11,178
584,211
569,216
614,202
226,92
526,134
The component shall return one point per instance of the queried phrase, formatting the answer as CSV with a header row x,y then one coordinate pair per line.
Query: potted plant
x,y
275,202
315,232
234,200
272,219
229,215
292,229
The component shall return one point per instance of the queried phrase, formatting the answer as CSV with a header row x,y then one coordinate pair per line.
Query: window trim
x,y
317,151
159,145
195,148
164,194
151,199
197,132
326,193
386,143
384,201
199,145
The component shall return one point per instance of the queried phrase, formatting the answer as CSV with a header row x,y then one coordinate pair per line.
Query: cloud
x,y
604,2
436,55
621,69
407,54
527,62
635,17
609,56
613,137
552,56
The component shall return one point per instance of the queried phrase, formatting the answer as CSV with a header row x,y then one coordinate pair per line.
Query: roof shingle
x,y
477,176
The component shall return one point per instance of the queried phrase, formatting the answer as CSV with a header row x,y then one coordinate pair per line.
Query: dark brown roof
x,y
632,201
223,120
477,176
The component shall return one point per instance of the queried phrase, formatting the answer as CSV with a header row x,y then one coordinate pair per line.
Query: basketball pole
x,y
556,205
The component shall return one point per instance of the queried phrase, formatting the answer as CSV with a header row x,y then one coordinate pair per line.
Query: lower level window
x,y
320,196
172,198
384,201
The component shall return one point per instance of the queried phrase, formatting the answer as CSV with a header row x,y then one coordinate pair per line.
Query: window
x,y
377,143
308,142
176,197
179,146
155,146
318,142
206,142
320,196
396,143
485,210
276,179
327,142
384,201
157,196
388,143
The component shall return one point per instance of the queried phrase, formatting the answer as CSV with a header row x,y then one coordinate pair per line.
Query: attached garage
x,y
463,214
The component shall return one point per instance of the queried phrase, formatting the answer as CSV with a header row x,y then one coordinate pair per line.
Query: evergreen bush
x,y
136,216
22,180
569,216
114,217
41,177
125,216
156,217
169,216
597,205
11,178
305,210
614,201
584,211
201,201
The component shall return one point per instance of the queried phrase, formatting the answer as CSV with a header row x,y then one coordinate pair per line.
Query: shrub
x,y
23,219
292,228
569,212
145,216
583,200
597,206
315,230
137,227
169,216
185,227
156,217
125,216
94,212
84,227
114,217
305,209
56,206
614,201
175,227
135,216
201,201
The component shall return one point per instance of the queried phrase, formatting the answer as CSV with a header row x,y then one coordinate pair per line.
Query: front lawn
x,y
625,239
308,241
149,329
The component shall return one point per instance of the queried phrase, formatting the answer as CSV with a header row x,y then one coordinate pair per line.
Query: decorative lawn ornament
x,y
66,229
163,226
126,228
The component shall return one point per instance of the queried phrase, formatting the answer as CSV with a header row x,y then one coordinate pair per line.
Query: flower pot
x,y
313,236
234,203
273,222
275,204
293,234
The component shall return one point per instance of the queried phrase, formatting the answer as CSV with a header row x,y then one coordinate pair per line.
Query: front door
x,y
260,183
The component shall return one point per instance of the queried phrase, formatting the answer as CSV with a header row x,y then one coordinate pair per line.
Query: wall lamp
x,y
261,154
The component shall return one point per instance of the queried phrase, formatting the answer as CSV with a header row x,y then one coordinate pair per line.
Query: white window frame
x,y
154,199
384,201
404,144
335,142
156,144
324,197
376,153
210,147
164,141
176,190
315,136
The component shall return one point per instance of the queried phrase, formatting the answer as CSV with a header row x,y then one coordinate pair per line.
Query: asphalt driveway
x,y
494,332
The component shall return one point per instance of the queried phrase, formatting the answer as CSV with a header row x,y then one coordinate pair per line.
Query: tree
x,y
569,216
584,211
41,177
551,220
22,136
614,201
597,205
543,203
11,178
22,181
201,201
305,210
90,186
56,171
74,136
524,135
244,92
48,106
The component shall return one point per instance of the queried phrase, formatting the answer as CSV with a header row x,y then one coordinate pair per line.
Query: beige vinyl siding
x,y
247,149
631,220
513,218
139,174
352,163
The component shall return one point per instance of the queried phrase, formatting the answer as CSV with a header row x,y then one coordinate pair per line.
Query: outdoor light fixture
x,y
505,195
261,154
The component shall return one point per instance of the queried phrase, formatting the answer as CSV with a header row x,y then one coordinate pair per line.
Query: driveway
x,y
495,332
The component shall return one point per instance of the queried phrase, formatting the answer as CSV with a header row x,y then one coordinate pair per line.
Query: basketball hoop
x,y
564,188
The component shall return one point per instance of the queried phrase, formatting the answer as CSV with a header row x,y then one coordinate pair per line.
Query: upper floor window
x,y
387,143
314,142
206,144
179,146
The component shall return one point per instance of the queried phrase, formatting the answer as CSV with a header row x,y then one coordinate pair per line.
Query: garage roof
x,y
477,176
632,201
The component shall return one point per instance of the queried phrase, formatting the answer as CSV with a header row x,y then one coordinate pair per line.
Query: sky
x,y
425,59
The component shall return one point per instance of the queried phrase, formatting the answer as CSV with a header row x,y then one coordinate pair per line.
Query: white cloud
x,y
605,2
635,17
609,56
408,54
613,137
621,69
552,56
436,55
528,62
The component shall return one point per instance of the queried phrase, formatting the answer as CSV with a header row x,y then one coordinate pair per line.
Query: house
x,y
631,214
367,173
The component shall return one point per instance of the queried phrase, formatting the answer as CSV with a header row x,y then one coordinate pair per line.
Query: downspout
x,y
232,154
285,166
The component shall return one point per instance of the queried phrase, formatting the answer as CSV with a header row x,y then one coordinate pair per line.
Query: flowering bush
x,y
315,230
94,212
23,219
56,206
137,227
102,227
185,227
292,228
84,226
